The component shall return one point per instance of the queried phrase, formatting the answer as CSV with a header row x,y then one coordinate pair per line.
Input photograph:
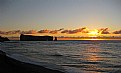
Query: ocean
x,y
87,56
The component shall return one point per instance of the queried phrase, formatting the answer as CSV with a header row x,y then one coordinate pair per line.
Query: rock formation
x,y
35,38
2,39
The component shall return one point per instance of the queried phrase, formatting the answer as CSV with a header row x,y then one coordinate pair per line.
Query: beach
x,y
10,65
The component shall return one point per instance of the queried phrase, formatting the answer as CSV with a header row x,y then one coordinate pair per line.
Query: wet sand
x,y
9,65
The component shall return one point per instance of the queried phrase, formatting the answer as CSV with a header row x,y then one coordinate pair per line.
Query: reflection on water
x,y
94,60
92,54
73,56
101,60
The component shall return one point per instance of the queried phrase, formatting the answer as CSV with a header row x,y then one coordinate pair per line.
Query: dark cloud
x,y
10,32
74,31
53,32
28,32
104,31
44,31
2,32
56,31
50,31
17,32
62,30
117,32
65,31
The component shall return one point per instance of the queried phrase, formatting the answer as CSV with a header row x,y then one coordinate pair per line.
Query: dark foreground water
x,y
71,56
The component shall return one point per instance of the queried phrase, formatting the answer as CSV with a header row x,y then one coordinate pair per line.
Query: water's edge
x,y
20,59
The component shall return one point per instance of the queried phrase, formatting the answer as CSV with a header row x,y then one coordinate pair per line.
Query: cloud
x,y
104,31
44,31
51,31
2,32
56,31
10,32
17,32
62,30
28,32
65,31
83,30
117,32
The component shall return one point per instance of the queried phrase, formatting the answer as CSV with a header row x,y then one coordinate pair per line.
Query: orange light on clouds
x,y
93,33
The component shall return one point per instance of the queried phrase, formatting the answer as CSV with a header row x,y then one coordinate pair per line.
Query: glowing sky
x,y
56,14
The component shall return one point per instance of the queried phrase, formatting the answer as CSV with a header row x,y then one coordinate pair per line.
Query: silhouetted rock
x,y
55,39
2,39
35,38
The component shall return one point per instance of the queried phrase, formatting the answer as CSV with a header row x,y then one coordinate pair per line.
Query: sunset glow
x,y
60,36
60,18
93,33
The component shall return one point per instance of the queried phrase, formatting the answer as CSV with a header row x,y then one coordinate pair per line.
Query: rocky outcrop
x,y
35,38
55,39
2,39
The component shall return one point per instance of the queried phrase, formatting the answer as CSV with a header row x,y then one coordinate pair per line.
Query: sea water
x,y
91,56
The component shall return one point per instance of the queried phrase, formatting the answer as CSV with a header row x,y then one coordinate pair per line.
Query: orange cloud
x,y
53,32
50,31
62,31
117,32
56,31
10,32
18,32
2,32
44,31
104,31
28,32
75,31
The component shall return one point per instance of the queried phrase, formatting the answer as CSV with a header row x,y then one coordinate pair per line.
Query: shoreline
x,y
76,38
10,65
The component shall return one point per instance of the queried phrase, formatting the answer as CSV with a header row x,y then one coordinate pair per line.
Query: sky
x,y
53,15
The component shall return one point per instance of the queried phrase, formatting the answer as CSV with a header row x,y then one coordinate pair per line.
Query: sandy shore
x,y
10,65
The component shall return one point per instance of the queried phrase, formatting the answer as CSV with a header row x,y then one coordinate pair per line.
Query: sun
x,y
93,33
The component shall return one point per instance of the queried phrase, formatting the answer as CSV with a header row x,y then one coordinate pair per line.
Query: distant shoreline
x,y
76,38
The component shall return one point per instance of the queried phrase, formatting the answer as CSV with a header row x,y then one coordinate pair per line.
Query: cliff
x,y
35,38
2,39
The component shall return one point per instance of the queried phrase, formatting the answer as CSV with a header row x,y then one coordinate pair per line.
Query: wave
x,y
22,59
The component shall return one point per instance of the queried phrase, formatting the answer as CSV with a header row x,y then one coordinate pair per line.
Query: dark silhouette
x,y
2,39
35,38
55,39
11,65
